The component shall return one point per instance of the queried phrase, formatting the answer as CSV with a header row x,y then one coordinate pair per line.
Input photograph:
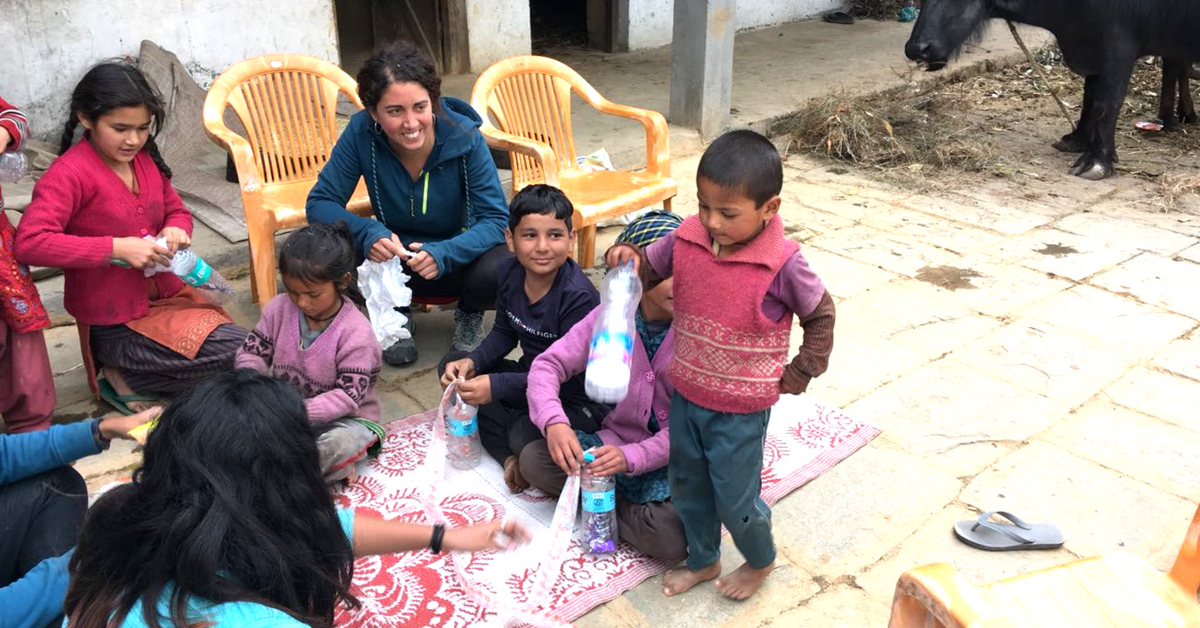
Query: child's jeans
x,y
341,443
716,478
26,381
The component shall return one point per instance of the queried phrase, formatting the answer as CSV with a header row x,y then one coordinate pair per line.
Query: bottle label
x,y
609,345
199,274
462,428
602,501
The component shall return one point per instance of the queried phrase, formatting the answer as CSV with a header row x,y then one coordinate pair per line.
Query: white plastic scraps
x,y
383,286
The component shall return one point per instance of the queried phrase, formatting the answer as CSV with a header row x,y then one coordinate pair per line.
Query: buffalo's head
x,y
942,27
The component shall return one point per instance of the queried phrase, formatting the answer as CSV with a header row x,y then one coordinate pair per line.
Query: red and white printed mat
x,y
805,438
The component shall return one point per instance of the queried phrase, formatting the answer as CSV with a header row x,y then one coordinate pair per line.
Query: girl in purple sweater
x,y
315,338
632,442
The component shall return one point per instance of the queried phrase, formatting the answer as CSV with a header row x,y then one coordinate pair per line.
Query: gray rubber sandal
x,y
1002,537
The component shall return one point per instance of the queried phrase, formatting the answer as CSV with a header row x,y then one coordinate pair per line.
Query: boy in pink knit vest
x,y
738,281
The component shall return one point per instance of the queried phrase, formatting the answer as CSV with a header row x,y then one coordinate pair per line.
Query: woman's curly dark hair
x,y
397,62
229,506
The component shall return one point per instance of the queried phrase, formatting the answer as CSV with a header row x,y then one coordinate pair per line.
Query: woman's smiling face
x,y
405,112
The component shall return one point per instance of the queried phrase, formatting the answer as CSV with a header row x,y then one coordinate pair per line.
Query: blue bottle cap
x,y
589,457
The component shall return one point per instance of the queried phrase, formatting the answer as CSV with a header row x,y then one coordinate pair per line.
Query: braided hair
x,y
112,85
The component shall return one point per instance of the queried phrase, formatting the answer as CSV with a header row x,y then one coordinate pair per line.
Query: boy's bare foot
x,y
119,384
512,475
680,579
743,582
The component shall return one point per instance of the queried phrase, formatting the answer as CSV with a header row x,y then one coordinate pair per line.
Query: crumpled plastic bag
x,y
384,286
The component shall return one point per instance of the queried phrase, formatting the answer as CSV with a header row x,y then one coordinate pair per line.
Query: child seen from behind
x,y
738,281
542,295
315,338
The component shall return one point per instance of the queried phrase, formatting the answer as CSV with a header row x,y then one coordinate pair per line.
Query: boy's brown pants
x,y
652,528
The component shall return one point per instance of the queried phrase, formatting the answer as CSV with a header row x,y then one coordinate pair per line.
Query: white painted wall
x,y
48,44
497,29
650,20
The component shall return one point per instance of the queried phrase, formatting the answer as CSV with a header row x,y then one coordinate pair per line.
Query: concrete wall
x,y
47,45
650,20
497,29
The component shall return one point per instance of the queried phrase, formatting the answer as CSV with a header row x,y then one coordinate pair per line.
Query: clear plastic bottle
x,y
599,497
463,448
13,166
610,359
195,272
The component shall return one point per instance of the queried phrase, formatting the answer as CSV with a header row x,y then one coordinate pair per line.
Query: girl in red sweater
x,y
90,215
26,381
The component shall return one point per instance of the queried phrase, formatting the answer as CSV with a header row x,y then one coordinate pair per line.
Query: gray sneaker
x,y
468,330
402,351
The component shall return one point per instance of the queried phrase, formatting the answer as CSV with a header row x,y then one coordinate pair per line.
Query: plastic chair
x,y
1119,590
530,100
288,105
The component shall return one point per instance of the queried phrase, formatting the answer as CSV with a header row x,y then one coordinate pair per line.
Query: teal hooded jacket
x,y
456,207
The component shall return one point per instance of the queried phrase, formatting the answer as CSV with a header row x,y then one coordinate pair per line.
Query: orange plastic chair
x,y
1119,590
288,104
530,100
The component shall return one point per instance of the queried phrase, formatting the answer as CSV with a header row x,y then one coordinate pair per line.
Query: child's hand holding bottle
x,y
564,447
139,253
623,253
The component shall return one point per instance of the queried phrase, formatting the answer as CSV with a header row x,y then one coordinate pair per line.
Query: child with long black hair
x,y
314,338
90,215
228,522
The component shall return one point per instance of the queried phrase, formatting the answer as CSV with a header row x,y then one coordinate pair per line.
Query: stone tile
x,y
786,587
844,277
838,606
1064,254
1182,357
857,365
992,287
1159,453
946,405
947,234
1131,204
897,312
1166,396
1158,281
802,222
1110,319
896,253
1131,232
996,216
844,201
618,613
859,510
1191,254
1099,510
1047,360
935,542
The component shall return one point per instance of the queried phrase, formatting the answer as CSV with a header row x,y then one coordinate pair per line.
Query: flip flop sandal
x,y
838,17
1001,537
120,402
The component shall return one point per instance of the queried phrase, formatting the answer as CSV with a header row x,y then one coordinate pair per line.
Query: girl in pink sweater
x,y
90,215
314,338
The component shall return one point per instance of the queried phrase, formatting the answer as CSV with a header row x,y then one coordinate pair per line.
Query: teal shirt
x,y
231,614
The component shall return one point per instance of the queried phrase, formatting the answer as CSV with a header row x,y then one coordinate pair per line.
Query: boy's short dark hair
x,y
543,199
746,161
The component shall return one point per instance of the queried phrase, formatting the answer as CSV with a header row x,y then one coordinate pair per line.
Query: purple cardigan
x,y
627,426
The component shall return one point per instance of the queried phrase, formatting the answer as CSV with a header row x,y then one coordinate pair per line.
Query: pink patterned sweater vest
x,y
728,355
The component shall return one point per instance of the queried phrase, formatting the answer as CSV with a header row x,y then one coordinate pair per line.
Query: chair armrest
x,y
539,151
1186,570
939,591
658,152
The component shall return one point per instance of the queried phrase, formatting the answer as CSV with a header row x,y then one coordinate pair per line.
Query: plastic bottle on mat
x,y
599,497
610,359
462,442
195,272
13,166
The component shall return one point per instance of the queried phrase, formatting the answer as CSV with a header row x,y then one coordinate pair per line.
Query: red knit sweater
x,y
78,207
728,355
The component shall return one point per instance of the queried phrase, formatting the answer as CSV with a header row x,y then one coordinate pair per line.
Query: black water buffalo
x,y
1175,74
1100,40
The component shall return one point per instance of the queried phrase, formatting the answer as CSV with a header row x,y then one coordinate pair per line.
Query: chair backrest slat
x,y
537,106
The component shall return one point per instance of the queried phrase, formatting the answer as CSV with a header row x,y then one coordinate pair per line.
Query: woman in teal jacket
x,y
433,187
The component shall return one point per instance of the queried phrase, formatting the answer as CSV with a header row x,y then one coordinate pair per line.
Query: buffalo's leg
x,y
1076,141
1187,109
1173,74
1111,84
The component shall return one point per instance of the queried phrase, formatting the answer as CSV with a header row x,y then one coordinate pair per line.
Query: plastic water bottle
x,y
13,166
195,272
610,359
462,444
599,497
